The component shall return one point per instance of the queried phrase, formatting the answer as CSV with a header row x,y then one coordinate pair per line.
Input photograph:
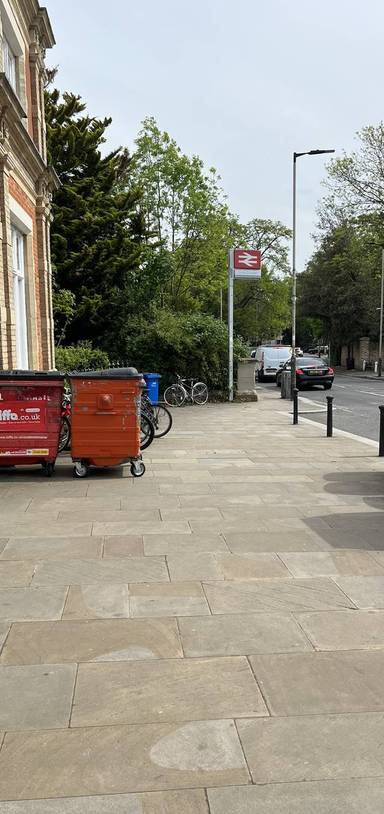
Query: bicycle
x,y
158,414
186,390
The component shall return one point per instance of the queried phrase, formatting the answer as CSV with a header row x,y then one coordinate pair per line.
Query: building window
x,y
10,62
18,268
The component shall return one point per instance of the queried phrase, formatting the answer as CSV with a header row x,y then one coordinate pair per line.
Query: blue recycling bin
x,y
152,381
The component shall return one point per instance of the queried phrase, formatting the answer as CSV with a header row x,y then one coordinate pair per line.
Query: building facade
x,y
26,185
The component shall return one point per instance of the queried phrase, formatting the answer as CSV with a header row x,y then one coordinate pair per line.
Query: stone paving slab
x,y
241,634
320,683
16,574
319,747
45,528
124,546
344,630
100,601
120,759
188,801
101,640
140,527
170,691
365,592
323,564
86,572
162,544
260,541
275,595
173,599
52,548
36,696
32,604
330,797
217,566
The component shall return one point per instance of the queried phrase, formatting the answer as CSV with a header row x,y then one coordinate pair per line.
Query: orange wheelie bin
x,y
30,418
106,420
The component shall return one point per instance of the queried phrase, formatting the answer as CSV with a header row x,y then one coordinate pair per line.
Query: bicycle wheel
x,y
162,420
175,395
147,432
65,435
199,393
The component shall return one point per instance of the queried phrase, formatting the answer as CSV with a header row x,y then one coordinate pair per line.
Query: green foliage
x,y
97,231
193,345
341,284
80,357
64,309
186,216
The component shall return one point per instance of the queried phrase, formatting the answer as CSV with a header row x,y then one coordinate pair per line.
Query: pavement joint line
x,y
260,689
73,695
243,750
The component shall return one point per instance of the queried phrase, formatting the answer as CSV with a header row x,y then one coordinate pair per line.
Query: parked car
x,y
269,360
310,370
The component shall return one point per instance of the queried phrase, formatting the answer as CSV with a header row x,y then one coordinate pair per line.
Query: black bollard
x,y
295,405
381,436
329,416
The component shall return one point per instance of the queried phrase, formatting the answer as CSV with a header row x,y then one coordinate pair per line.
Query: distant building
x,y
26,183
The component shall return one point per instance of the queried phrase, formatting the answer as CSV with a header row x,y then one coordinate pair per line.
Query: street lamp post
x,y
294,275
380,362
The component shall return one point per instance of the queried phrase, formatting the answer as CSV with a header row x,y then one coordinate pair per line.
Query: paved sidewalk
x,y
208,639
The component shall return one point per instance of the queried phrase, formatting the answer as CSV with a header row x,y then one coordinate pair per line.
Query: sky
x,y
242,84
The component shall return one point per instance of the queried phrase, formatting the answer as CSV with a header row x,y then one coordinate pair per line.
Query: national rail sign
x,y
245,264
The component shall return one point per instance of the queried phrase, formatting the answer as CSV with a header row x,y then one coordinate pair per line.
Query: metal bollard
x,y
330,416
381,436
295,405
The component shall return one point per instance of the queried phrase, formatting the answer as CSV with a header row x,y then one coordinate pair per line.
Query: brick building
x,y
26,184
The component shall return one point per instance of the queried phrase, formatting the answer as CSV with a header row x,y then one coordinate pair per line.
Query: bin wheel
x,y
81,469
48,468
137,469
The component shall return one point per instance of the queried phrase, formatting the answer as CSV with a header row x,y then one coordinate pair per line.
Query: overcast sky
x,y
242,84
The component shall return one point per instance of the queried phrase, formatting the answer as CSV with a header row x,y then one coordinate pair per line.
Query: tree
x,y
356,182
187,220
340,286
97,230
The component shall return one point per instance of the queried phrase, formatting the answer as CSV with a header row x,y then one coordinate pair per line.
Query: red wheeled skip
x,y
30,418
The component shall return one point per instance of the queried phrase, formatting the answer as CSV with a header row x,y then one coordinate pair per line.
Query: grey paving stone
x,y
124,546
365,592
318,747
259,541
124,758
32,604
189,801
36,697
48,528
319,683
326,797
15,574
100,601
141,527
91,640
218,566
344,630
275,595
183,543
52,548
170,691
241,634
324,564
4,628
73,503
168,599
87,572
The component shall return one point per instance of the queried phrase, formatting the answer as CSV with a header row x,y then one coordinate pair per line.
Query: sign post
x,y
243,264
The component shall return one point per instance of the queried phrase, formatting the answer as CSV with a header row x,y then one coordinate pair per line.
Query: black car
x,y
310,370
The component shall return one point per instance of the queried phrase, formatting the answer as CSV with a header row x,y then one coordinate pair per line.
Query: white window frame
x,y
20,313
10,64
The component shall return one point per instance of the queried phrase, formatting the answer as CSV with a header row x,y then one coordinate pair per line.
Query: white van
x,y
269,358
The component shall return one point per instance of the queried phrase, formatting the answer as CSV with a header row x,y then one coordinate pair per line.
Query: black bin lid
x,y
31,375
109,373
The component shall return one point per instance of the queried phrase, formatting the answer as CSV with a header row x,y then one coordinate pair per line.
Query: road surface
x,y
356,404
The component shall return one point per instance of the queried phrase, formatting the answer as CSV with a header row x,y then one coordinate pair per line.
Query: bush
x,y
81,357
195,345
